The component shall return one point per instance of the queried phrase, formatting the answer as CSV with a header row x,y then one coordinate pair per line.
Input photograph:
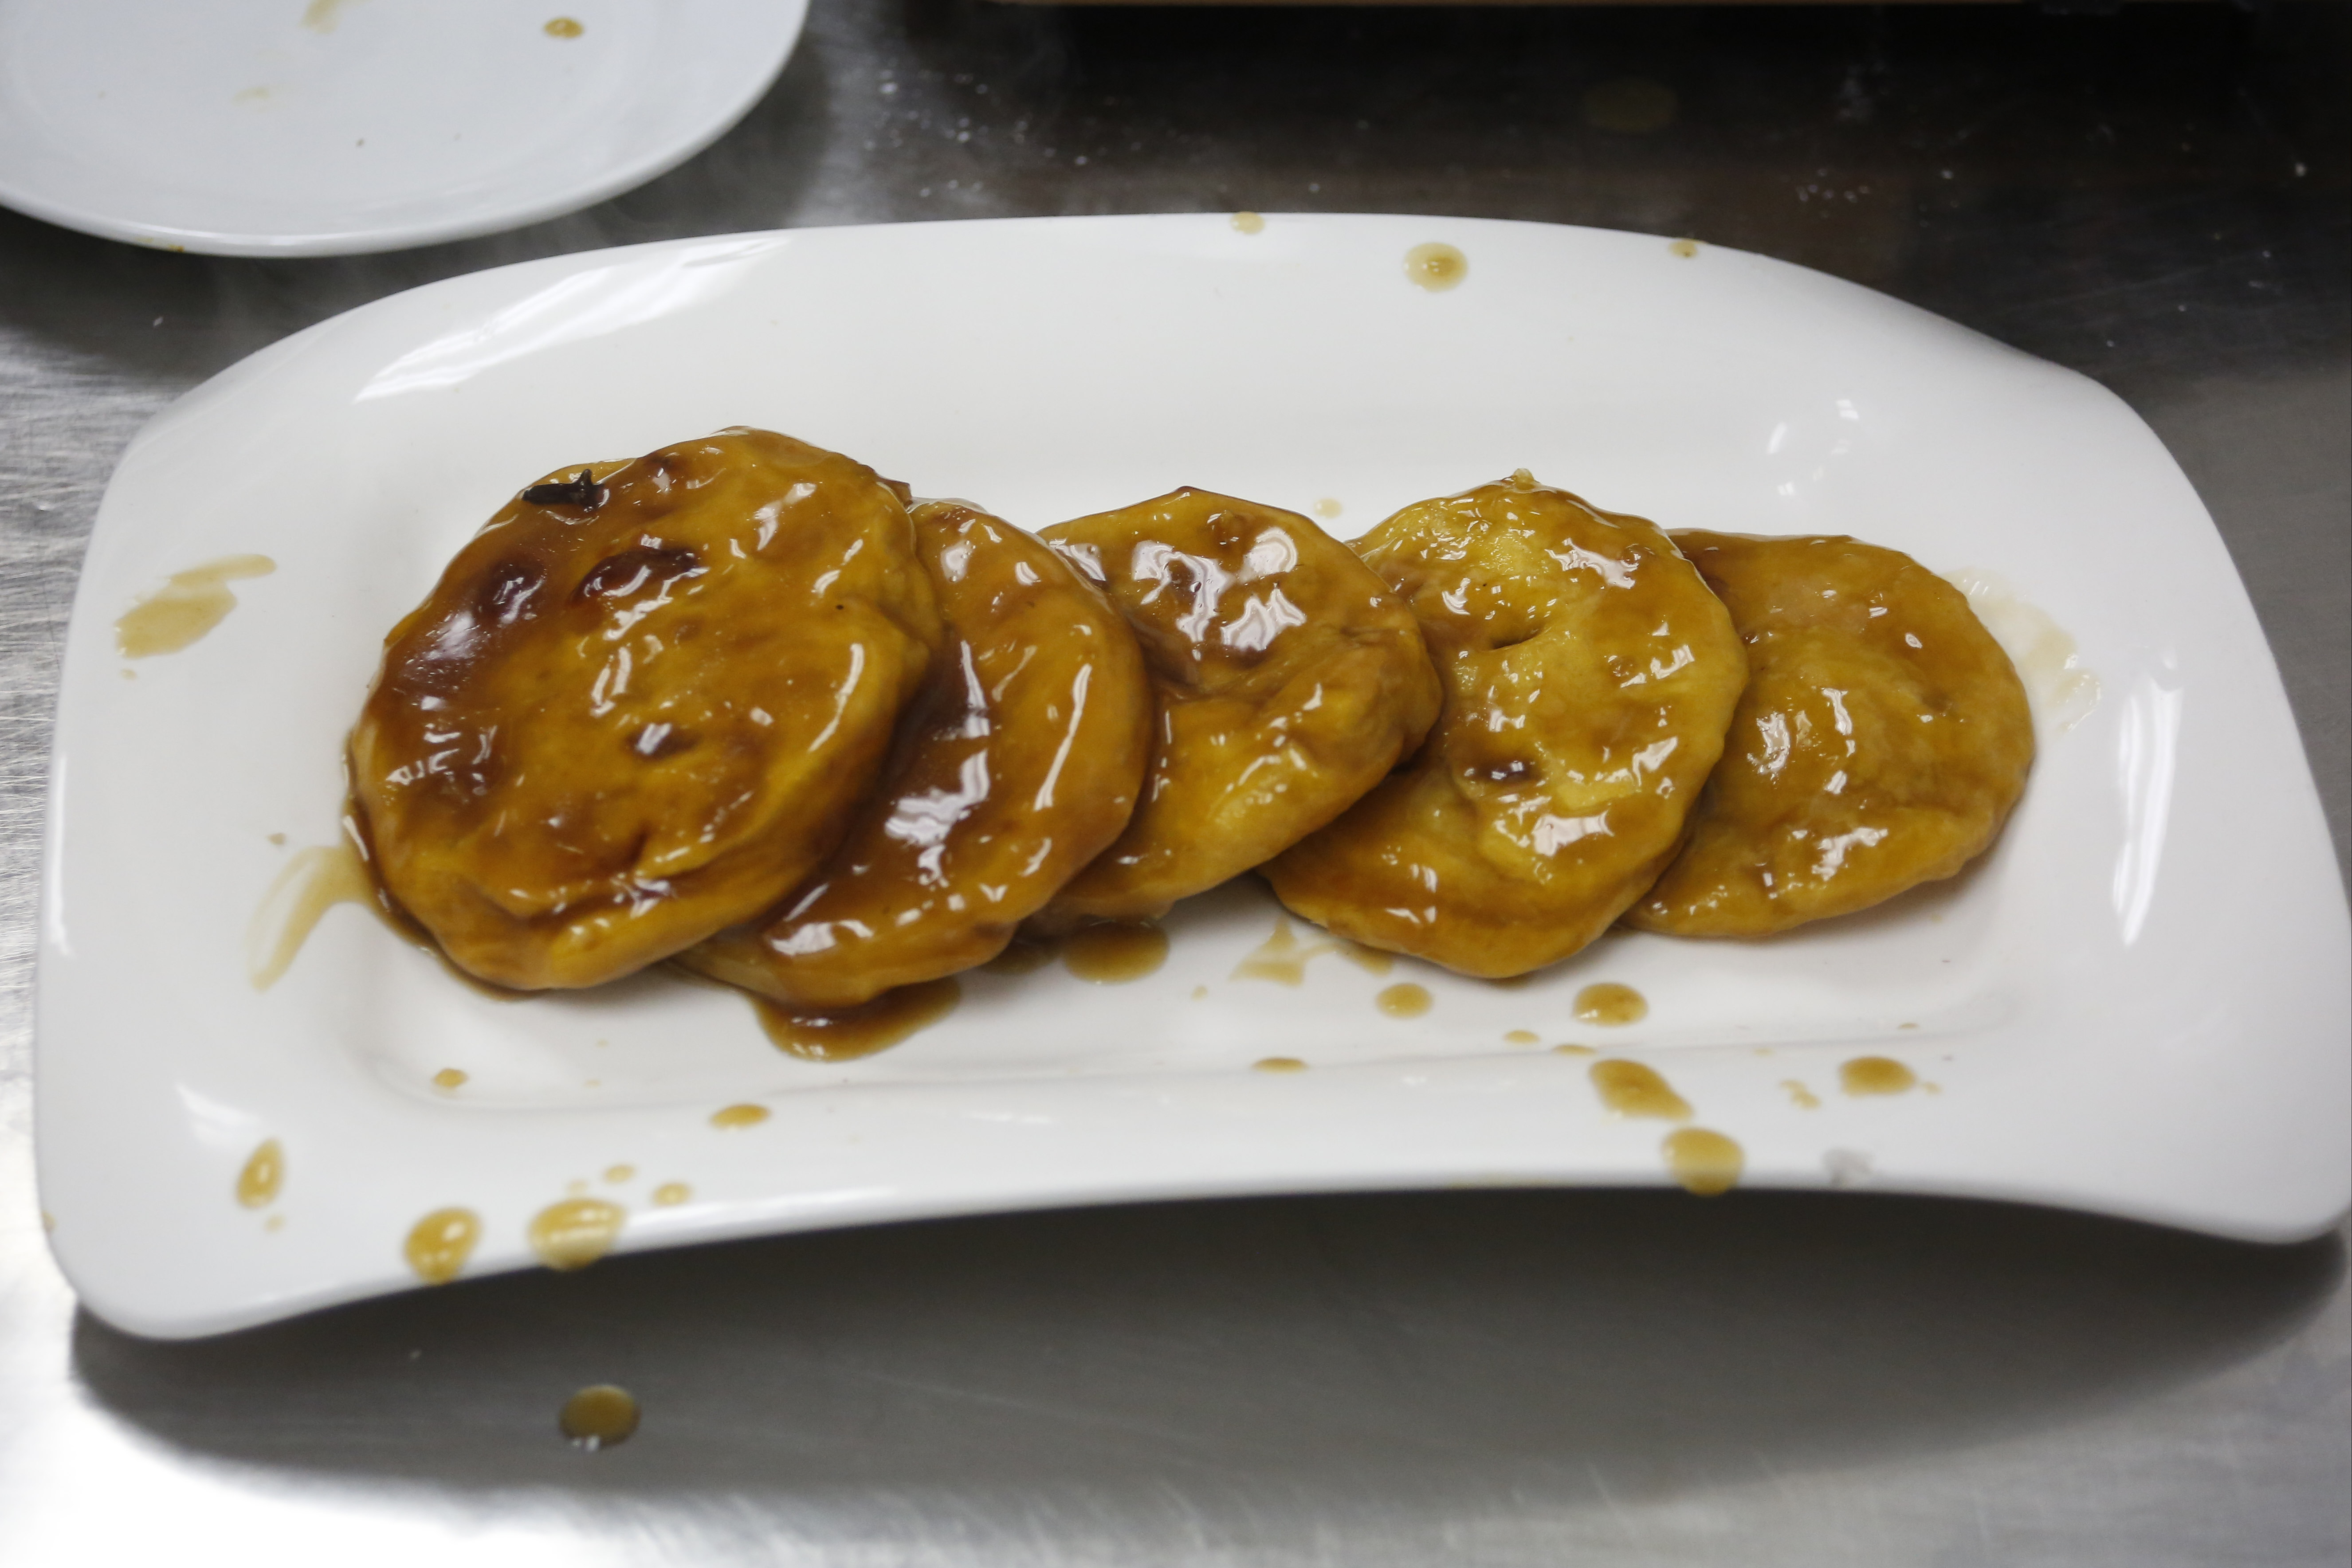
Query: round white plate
x,y
2138,1004
332,127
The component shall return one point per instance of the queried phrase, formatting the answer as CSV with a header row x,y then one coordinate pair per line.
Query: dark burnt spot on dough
x,y
582,492
633,571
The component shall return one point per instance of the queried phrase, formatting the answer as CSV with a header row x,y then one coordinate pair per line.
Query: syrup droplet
x,y
598,1416
858,1032
1436,266
575,1233
1875,1075
1634,1089
1115,951
1800,1096
312,883
739,1115
187,606
1329,507
1249,223
264,1174
670,1194
439,1244
450,1078
617,1173
1685,248
1403,1000
1706,1164
563,27
1609,1003
1521,1037
1570,1047
1278,1065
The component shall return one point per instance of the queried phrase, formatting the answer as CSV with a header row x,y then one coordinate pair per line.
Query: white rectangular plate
x,y
2138,1004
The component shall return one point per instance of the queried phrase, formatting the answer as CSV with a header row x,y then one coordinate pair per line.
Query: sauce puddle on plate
x,y
1631,1089
439,1244
857,1032
575,1233
1609,1003
1707,1164
178,615
1115,951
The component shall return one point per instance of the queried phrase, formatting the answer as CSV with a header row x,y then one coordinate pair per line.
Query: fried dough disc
x,y
1021,766
1590,676
1288,678
1882,741
641,707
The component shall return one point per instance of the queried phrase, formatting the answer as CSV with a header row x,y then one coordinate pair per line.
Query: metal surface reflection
x,y
2156,198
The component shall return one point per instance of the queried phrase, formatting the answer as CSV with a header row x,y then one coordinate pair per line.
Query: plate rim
x,y
261,363
790,15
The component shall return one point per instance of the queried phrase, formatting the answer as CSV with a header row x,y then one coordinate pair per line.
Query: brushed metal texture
x,y
2157,198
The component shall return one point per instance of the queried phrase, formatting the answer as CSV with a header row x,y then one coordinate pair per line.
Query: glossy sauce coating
x,y
641,707
1590,676
1882,741
1022,765
1290,680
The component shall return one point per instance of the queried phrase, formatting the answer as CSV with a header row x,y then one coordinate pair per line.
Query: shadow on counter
x,y
1319,1350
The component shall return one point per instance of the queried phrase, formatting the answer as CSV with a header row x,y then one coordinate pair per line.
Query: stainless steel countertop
x,y
2156,198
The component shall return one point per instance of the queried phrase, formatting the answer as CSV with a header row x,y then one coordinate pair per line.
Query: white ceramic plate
x,y
2137,1005
329,126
